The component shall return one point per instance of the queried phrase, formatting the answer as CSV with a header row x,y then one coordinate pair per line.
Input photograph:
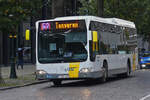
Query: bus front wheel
x,y
57,82
128,73
105,72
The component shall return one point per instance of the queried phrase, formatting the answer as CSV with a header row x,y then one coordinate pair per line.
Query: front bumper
x,y
89,75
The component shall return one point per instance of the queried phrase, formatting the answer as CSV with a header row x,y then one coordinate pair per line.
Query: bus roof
x,y
114,21
122,22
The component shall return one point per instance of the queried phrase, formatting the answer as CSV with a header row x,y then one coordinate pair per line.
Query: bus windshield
x,y
62,44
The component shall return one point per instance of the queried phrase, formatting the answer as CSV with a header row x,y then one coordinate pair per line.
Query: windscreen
x,y
62,41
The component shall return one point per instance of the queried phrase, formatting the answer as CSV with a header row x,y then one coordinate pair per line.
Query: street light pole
x,y
13,70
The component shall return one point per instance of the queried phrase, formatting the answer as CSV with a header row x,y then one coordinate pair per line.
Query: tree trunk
x,y
1,48
5,49
1,79
44,9
57,8
100,6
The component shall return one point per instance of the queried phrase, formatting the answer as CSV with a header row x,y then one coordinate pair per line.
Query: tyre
x,y
57,82
105,72
128,71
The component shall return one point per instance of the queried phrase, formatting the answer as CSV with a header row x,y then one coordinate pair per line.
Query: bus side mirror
x,y
95,41
27,35
93,45
94,36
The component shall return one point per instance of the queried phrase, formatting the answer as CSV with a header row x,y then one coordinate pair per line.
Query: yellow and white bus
x,y
84,47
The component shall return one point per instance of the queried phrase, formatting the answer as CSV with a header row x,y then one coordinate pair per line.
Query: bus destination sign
x,y
60,26
71,25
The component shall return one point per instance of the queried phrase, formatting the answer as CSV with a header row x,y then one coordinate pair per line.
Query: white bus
x,y
84,47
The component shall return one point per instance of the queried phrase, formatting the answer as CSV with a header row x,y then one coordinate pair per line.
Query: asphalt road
x,y
136,87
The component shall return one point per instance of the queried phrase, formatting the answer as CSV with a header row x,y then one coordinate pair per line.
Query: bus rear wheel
x,y
128,71
105,72
57,82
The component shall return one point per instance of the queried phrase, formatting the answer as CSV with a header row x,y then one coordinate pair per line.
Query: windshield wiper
x,y
67,31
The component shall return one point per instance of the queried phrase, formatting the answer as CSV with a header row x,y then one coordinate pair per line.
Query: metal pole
x,y
13,70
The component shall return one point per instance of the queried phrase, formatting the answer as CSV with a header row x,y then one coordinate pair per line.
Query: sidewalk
x,y
25,77
27,69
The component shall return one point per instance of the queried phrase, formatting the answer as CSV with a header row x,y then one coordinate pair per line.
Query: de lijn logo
x,y
70,69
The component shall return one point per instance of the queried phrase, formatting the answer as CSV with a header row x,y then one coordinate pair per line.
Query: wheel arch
x,y
105,62
129,64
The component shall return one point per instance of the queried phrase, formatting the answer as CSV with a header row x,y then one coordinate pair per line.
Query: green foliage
x,y
88,7
12,12
137,11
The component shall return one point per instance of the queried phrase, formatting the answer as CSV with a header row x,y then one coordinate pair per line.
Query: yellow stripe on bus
x,y
134,62
147,63
74,70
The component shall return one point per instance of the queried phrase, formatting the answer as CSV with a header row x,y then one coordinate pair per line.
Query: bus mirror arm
x,y
92,53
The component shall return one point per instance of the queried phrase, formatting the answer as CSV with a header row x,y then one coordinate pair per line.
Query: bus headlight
x,y
84,70
143,65
41,72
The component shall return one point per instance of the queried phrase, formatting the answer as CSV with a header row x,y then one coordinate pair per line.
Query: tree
x,y
12,12
137,11
100,7
133,10
88,8
57,8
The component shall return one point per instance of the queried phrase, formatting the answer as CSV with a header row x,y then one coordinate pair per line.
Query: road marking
x,y
145,97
